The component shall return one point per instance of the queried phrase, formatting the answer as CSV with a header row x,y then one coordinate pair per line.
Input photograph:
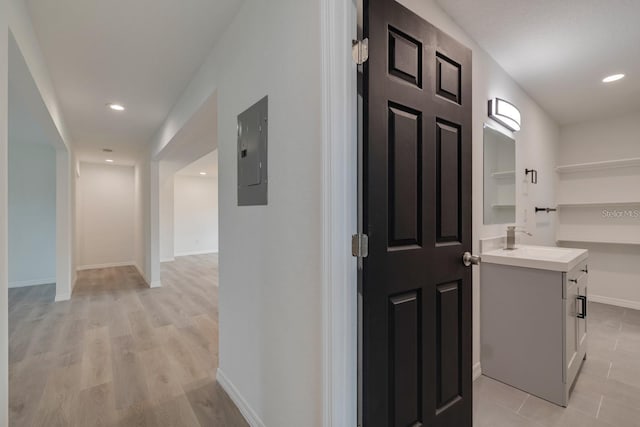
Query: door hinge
x,y
360,51
360,245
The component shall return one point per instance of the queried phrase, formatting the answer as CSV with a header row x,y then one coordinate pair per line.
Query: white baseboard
x,y
141,273
156,284
189,253
35,282
168,260
477,371
62,297
615,301
108,265
247,412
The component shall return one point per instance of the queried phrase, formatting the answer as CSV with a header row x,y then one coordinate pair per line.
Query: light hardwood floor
x,y
119,353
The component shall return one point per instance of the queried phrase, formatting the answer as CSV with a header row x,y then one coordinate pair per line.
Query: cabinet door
x,y
582,315
572,360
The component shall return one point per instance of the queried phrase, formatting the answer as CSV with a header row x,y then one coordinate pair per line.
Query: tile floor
x,y
607,391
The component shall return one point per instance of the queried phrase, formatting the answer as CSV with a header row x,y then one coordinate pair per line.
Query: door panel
x,y
448,184
449,78
448,344
405,172
405,57
416,292
405,358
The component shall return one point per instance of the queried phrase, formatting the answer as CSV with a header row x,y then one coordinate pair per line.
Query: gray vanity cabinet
x,y
533,327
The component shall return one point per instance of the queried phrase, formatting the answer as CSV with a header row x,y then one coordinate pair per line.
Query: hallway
x,y
119,353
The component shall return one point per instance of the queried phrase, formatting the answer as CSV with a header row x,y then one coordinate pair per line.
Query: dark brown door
x,y
417,326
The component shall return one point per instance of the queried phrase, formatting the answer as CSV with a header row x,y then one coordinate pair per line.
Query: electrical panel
x,y
253,127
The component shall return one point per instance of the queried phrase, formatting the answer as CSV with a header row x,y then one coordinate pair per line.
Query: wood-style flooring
x,y
119,353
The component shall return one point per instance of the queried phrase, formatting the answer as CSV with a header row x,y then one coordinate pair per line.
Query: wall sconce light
x,y
505,113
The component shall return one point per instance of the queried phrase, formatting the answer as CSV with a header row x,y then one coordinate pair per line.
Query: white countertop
x,y
540,257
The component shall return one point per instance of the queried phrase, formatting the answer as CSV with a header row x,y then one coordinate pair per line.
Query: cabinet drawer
x,y
578,275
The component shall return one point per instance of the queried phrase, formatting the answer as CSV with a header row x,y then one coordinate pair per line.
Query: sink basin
x,y
540,257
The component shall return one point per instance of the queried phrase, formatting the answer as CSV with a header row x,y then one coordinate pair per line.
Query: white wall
x,y
167,250
4,214
107,215
614,270
141,212
270,268
32,214
597,140
536,147
195,215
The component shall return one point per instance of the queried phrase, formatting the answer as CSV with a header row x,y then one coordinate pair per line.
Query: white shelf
x,y
620,234
608,164
504,174
600,242
596,204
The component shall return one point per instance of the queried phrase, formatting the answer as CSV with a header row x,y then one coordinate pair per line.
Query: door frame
x,y
338,22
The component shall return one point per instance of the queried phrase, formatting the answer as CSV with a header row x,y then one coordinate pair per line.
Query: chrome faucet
x,y
511,237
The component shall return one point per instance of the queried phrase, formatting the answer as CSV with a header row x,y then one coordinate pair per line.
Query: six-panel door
x,y
417,213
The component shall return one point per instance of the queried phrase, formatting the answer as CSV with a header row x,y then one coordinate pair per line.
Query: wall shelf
x,y
504,174
599,242
596,204
608,164
621,234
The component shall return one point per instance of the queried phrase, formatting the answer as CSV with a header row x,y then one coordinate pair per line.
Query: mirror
x,y
499,177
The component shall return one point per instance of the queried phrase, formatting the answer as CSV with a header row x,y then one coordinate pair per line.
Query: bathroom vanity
x,y
533,308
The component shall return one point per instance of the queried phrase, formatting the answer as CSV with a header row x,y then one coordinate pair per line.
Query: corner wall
x,y
536,147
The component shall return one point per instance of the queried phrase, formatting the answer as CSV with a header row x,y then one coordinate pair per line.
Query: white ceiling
x,y
207,164
559,50
138,53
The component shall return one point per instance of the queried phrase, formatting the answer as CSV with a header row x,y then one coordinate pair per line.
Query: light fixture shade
x,y
505,113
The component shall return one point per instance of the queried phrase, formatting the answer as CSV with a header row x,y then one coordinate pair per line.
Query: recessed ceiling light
x,y
612,78
116,107
203,173
109,160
